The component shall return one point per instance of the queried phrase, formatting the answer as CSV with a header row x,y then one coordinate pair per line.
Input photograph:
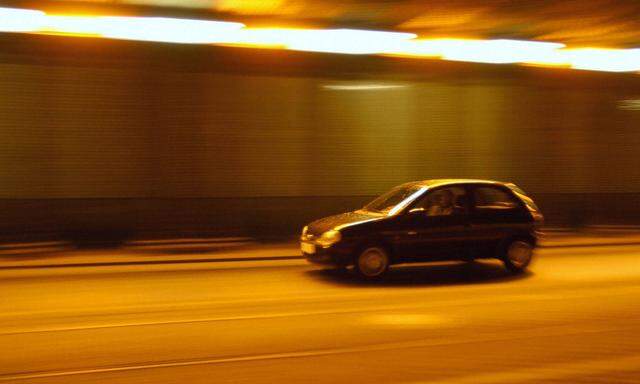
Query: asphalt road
x,y
574,319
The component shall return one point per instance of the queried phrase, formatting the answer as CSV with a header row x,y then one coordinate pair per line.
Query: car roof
x,y
439,182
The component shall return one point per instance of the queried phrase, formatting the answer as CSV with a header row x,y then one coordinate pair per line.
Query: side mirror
x,y
414,211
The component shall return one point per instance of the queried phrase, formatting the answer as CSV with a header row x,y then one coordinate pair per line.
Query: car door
x,y
496,214
435,228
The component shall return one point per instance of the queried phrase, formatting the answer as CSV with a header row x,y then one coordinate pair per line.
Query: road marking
x,y
265,316
508,335
548,372
408,320
518,297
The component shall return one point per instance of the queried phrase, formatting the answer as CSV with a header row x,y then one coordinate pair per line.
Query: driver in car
x,y
442,204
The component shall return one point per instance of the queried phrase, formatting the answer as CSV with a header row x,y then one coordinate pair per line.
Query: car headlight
x,y
329,238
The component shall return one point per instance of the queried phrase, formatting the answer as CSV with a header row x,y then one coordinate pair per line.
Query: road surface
x,y
574,319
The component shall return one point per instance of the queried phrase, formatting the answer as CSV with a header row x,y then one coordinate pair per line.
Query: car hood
x,y
320,226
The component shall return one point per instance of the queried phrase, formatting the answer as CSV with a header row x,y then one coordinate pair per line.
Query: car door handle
x,y
412,233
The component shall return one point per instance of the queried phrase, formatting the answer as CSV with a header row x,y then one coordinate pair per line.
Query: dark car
x,y
431,220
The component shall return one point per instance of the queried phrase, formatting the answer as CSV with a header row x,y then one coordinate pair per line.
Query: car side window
x,y
493,198
443,202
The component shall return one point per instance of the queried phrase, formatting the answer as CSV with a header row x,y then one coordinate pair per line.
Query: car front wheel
x,y
372,262
517,255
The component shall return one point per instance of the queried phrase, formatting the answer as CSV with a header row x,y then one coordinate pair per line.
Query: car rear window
x,y
494,198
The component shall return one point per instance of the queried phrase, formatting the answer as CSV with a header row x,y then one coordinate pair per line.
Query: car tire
x,y
516,254
372,262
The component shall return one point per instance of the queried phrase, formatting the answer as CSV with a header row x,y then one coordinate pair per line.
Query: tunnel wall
x,y
124,139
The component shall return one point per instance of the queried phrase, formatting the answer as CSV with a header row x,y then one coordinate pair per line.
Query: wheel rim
x,y
372,262
519,253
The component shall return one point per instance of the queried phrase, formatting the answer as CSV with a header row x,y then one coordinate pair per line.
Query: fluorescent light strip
x,y
161,29
362,87
350,41
346,41
524,52
20,20
481,51
610,60
167,29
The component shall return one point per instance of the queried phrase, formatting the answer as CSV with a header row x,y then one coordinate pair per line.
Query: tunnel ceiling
x,y
604,23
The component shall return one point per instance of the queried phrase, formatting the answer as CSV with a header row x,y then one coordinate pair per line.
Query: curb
x,y
582,245
187,241
150,262
19,249
188,244
15,249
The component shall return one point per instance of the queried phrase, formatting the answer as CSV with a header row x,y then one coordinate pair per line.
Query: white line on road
x,y
509,335
548,372
265,316
536,296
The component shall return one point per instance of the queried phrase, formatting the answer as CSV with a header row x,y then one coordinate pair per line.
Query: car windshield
x,y
387,201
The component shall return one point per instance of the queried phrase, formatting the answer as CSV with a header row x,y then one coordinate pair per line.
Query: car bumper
x,y
332,256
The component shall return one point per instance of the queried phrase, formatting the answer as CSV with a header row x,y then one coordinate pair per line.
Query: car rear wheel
x,y
517,255
372,262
